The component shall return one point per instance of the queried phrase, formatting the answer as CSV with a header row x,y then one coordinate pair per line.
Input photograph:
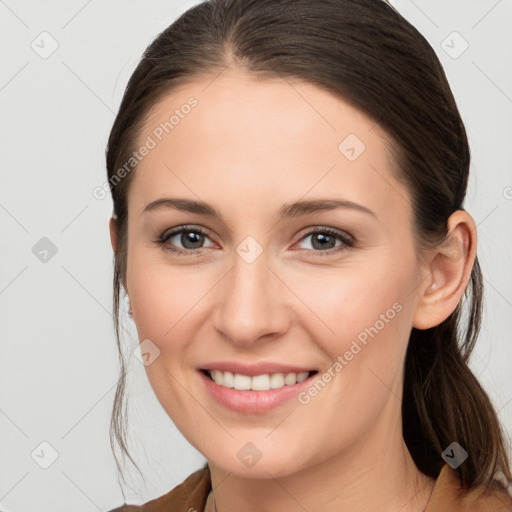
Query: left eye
x,y
324,240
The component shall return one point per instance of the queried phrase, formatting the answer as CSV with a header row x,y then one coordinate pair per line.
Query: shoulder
x,y
448,496
189,496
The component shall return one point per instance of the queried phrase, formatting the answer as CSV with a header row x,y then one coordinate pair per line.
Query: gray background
x,y
58,364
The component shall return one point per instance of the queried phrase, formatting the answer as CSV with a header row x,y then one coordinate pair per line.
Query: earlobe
x,y
112,224
448,274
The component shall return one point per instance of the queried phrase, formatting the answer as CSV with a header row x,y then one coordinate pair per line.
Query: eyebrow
x,y
288,210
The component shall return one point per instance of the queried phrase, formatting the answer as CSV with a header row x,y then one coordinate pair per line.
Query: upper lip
x,y
254,369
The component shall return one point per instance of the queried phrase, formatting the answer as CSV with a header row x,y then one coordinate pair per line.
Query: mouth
x,y
257,393
261,382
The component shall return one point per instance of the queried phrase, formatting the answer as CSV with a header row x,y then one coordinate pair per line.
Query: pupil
x,y
323,238
193,238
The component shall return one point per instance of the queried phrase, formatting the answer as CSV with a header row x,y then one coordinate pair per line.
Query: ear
x,y
112,224
448,272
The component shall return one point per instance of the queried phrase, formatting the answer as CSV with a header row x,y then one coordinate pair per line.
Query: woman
x,y
288,181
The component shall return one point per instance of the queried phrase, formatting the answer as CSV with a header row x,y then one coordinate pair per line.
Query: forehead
x,y
266,136
238,103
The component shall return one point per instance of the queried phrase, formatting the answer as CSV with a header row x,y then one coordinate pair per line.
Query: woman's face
x,y
328,289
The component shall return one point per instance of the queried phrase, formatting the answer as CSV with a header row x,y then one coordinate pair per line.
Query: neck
x,y
374,474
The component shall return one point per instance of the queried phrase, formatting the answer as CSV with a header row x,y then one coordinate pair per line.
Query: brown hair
x,y
365,52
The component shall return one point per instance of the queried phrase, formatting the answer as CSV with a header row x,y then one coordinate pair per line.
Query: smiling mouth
x,y
263,382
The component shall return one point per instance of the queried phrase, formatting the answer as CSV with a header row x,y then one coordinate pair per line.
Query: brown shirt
x,y
447,496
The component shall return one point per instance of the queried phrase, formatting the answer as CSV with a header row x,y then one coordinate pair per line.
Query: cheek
x,y
344,304
362,323
157,294
169,302
368,322
165,300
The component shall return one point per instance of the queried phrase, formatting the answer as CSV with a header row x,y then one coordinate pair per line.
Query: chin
x,y
274,465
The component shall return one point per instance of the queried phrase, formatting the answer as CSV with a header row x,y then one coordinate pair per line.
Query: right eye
x,y
190,237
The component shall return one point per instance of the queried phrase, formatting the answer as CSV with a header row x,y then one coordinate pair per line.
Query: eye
x,y
324,241
189,237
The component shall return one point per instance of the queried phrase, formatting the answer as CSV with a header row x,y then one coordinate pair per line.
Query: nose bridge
x,y
249,307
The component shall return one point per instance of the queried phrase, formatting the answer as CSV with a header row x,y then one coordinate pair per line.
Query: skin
x,y
250,146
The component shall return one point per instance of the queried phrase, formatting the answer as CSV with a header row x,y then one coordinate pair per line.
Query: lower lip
x,y
250,401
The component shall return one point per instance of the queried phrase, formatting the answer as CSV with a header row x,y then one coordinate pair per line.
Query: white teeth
x,y
262,382
276,380
290,379
227,379
241,382
302,376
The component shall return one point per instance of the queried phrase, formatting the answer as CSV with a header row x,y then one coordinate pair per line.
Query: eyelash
x,y
347,240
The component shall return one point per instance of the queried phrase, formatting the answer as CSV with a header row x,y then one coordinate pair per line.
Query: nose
x,y
252,303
